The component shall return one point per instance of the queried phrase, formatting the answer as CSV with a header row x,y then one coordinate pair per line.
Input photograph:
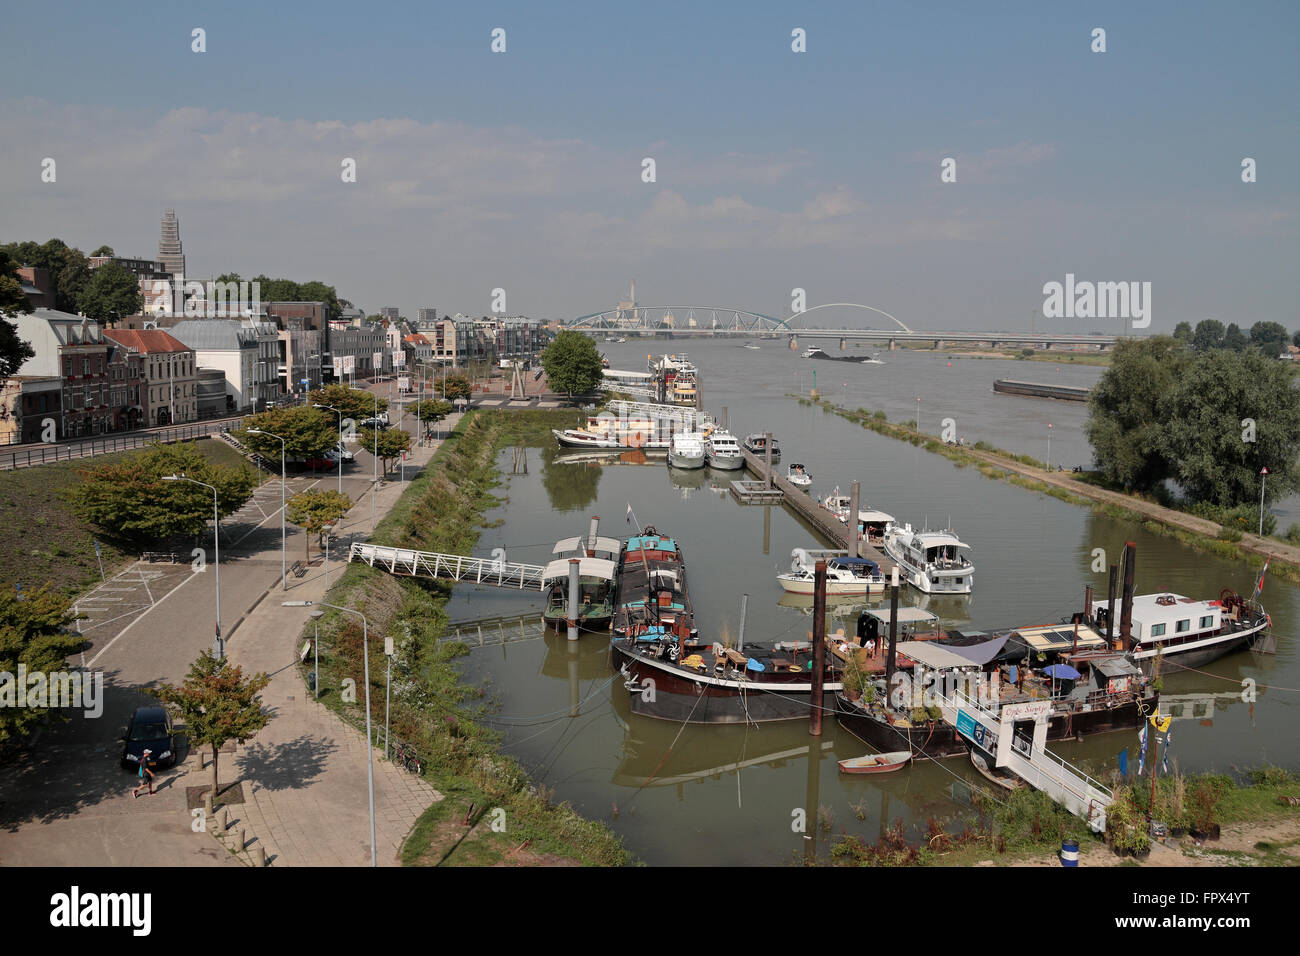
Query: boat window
x,y
1184,625
1207,621
1157,630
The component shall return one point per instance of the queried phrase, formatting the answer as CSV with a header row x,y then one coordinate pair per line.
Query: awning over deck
x,y
587,568
573,545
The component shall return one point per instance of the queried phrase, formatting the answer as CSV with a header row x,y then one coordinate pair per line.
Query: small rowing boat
x,y
877,763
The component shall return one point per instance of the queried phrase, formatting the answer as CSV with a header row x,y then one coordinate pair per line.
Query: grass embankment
x,y
1058,357
1025,827
1226,546
432,711
44,541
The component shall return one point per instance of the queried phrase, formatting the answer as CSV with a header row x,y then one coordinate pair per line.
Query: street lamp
x,y
315,651
339,450
284,573
365,655
216,538
374,486
1263,476
1049,446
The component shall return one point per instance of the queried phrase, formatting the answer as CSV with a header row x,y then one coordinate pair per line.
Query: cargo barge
x,y
1064,393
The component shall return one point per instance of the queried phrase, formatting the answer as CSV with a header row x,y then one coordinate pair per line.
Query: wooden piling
x,y
818,650
855,492
767,455
893,632
1126,607
1110,607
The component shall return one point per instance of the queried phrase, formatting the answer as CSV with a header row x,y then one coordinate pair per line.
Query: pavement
x,y
66,801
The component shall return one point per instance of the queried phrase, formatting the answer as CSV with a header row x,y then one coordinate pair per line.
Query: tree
x,y
217,704
13,350
35,632
1225,417
572,363
390,442
1234,339
1125,418
1269,337
103,251
307,432
354,403
1295,339
315,512
129,499
456,387
569,486
68,268
113,292
430,410
1208,335
1183,332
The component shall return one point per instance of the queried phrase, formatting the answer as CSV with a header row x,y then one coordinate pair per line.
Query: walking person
x,y
146,775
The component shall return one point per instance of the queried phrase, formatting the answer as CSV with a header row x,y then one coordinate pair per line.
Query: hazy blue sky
x,y
774,169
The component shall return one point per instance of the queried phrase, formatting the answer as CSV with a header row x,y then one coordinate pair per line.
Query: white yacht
x,y
686,450
931,561
723,451
871,523
798,475
845,576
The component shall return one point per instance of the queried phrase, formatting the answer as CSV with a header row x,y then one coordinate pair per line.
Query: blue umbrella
x,y
1063,671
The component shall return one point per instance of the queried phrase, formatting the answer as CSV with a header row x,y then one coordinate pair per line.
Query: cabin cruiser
x,y
798,475
872,525
856,577
722,451
931,561
813,352
686,450
757,445
1188,632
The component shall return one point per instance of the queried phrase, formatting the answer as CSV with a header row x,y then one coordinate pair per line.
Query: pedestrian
x,y
146,775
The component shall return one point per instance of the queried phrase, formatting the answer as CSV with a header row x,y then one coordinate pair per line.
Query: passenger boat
x,y
1188,632
757,445
798,475
845,576
877,763
684,389
597,571
722,451
686,450
931,561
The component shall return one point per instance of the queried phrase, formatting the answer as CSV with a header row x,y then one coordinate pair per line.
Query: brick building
x,y
170,387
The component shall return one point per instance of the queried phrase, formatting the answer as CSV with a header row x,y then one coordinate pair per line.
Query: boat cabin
x,y
595,589
585,547
1171,619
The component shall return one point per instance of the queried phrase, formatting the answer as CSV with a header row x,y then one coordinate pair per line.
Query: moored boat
x,y
798,475
877,763
931,561
722,451
757,445
686,450
845,576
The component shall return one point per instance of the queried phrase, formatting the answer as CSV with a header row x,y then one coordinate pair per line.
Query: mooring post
x,y
1110,608
1126,609
723,424
855,492
767,452
591,536
744,606
574,587
893,630
818,650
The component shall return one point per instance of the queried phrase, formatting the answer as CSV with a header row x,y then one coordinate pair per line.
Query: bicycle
x,y
404,756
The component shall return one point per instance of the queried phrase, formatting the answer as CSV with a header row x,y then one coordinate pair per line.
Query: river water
x,y
734,795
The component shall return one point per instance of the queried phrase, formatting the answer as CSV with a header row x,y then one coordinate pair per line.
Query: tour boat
x,y
686,450
722,451
757,445
931,561
1187,632
844,575
798,476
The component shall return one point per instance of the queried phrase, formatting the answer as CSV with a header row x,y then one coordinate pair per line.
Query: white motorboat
x,y
722,451
871,523
931,561
686,450
845,576
757,445
798,475
813,352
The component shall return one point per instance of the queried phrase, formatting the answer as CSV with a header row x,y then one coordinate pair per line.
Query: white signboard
x,y
1032,710
399,358
377,361
350,364
338,366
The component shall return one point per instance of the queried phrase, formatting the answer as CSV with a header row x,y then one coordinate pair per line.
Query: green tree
x,y
316,512
572,363
217,704
1125,419
129,499
103,251
1183,332
69,271
430,410
1234,338
391,443
1269,337
456,387
307,432
1225,417
1208,335
13,350
113,292
1295,339
570,486
354,403
277,290
34,631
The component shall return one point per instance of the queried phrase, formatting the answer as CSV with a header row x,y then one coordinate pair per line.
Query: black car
x,y
150,729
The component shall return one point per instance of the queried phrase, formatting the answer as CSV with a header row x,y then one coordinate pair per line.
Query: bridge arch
x,y
850,305
679,318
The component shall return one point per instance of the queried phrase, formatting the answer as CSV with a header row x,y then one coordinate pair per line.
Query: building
x,y
514,336
391,312
301,351
418,349
362,349
29,405
170,386
246,351
71,348
425,318
37,286
125,386
170,253
213,399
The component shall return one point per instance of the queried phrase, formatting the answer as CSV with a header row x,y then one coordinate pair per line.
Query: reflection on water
x,y
726,795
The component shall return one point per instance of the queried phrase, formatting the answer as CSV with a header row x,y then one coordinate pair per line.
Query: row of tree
x,y
287,290
1206,420
104,294
1271,338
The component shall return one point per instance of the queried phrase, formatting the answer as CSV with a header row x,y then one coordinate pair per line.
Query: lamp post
x,y
339,450
315,650
374,485
365,656
1049,446
1263,476
216,538
284,573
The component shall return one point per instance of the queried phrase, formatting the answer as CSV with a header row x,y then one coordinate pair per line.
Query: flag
x,y
1123,762
1164,761
1259,585
629,513
1142,754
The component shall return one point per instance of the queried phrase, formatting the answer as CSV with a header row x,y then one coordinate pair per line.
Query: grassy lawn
x,y
44,541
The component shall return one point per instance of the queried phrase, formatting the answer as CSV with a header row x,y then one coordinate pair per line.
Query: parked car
x,y
381,422
340,451
150,729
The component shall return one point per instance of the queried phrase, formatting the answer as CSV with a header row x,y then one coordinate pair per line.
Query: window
x,y
1157,630
1184,625
1207,622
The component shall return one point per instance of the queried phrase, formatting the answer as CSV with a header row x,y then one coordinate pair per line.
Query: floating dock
x,y
1065,393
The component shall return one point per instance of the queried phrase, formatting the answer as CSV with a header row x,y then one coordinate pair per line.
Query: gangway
x,y
994,732
408,562
494,631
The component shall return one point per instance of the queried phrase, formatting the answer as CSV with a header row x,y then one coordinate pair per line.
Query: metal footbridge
x,y
407,562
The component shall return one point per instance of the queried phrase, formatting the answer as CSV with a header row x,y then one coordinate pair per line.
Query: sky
x,y
774,170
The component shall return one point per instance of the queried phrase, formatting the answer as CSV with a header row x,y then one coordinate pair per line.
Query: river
x,y
733,796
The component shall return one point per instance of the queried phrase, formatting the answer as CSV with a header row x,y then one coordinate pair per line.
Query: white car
x,y
340,451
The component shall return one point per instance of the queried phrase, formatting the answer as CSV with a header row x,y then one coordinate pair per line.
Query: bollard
x,y
223,820
241,838
261,855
